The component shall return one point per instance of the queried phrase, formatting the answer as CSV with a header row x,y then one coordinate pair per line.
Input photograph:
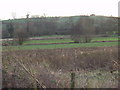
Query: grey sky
x,y
57,7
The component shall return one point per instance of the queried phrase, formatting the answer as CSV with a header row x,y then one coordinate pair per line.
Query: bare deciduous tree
x,y
20,36
20,33
83,30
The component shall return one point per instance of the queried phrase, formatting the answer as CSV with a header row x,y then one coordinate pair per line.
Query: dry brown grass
x,y
52,67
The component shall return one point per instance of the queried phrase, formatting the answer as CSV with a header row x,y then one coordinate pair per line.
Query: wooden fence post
x,y
72,80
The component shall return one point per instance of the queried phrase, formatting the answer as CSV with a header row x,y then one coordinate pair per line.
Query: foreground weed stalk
x,y
23,66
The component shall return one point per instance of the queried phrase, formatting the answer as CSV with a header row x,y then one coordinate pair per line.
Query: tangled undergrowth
x,y
94,67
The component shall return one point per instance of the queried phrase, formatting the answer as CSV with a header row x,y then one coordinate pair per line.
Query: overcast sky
x,y
57,7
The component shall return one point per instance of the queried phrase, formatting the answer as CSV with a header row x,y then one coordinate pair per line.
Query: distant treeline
x,y
57,25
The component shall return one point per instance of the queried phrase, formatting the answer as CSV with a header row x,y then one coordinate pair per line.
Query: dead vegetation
x,y
95,67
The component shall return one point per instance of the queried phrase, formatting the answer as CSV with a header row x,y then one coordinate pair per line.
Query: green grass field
x,y
65,40
68,40
105,39
52,46
48,41
93,43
